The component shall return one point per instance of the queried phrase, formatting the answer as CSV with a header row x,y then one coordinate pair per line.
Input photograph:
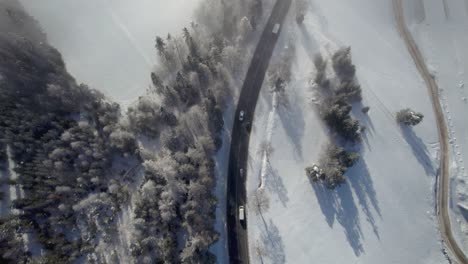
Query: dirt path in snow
x,y
444,176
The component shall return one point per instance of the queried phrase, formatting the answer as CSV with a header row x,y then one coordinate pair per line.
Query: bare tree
x,y
260,202
265,147
259,250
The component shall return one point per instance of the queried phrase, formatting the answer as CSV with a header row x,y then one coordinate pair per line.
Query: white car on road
x,y
241,115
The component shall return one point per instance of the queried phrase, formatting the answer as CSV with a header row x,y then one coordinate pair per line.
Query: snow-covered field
x,y
441,35
385,211
109,44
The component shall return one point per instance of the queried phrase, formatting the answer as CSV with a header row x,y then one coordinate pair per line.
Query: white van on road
x,y
241,213
276,28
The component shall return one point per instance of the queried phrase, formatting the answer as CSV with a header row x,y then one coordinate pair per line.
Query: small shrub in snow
x,y
409,117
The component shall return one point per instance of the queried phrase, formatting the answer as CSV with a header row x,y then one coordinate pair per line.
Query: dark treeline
x,y
73,150
62,141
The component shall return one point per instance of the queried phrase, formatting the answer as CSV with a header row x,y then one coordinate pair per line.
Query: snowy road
x,y
444,179
237,232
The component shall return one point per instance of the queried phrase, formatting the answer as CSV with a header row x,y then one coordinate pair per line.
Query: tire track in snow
x,y
131,39
452,137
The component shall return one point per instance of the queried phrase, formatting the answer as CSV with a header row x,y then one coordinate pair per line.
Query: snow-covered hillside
x,y
440,30
385,211
109,44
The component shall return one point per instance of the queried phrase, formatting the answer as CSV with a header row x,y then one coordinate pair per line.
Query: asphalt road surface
x,y
444,176
238,155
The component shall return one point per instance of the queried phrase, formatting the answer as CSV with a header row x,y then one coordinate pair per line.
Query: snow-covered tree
x,y
343,65
245,28
409,117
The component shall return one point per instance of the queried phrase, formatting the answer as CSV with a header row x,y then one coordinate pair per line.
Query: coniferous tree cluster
x,y
334,161
335,109
175,196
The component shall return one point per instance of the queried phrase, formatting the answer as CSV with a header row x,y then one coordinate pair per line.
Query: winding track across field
x,y
444,176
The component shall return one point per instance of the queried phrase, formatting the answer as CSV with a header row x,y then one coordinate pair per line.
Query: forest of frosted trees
x,y
78,161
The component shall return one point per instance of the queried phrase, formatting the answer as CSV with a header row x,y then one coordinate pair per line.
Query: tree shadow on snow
x,y
339,204
276,185
419,149
273,244
308,42
358,177
292,118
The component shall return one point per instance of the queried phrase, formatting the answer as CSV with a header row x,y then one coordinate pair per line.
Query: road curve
x,y
444,176
238,154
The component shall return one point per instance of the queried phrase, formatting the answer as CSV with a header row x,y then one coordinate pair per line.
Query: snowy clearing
x,y
385,211
109,44
441,35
